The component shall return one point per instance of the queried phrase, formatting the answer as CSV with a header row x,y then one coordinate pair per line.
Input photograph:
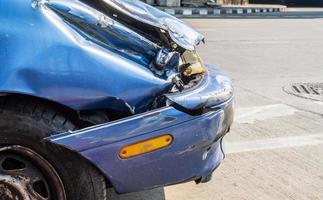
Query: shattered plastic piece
x,y
165,58
38,3
105,22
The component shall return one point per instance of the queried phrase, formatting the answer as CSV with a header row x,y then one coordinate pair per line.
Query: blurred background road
x,y
275,148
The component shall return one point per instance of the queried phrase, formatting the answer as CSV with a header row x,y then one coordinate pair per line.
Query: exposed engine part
x,y
178,83
159,102
187,82
194,80
165,58
184,67
192,64
193,69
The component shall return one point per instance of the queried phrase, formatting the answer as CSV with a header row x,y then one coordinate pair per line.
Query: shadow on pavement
x,y
156,194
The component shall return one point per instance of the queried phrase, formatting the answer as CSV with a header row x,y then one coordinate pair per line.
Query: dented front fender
x,y
196,149
70,53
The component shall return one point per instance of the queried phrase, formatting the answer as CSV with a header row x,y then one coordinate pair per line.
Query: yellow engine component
x,y
196,64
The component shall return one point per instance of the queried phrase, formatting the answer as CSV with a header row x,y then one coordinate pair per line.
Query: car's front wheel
x,y
31,168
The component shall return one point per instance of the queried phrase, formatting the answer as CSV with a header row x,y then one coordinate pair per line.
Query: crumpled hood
x,y
127,10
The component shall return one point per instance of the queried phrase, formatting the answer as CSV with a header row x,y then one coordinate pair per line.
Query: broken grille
x,y
312,91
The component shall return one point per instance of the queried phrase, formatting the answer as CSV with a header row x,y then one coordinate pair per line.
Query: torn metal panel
x,y
144,18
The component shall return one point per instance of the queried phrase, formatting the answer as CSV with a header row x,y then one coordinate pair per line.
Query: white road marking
x,y
260,113
274,143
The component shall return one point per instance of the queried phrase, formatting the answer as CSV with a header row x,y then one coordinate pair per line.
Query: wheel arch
x,y
66,111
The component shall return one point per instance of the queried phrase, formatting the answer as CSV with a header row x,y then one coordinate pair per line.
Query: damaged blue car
x,y
104,93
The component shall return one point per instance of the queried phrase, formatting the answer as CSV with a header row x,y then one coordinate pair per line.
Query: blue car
x,y
98,94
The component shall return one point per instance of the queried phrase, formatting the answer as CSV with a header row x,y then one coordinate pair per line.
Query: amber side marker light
x,y
145,146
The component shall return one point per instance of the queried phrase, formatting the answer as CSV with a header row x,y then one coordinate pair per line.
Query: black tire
x,y
26,122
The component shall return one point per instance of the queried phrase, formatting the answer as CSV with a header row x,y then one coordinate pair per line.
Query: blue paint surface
x,y
70,53
194,135
60,53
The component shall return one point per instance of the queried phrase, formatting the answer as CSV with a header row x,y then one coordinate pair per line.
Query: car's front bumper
x,y
195,152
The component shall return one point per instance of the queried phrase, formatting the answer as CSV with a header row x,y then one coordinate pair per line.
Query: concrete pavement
x,y
275,148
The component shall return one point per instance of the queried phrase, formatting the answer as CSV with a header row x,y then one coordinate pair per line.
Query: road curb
x,y
203,12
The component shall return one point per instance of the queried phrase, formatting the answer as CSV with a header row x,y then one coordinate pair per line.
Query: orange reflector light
x,y
146,146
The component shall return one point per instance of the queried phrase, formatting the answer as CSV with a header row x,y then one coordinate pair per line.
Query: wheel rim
x,y
25,175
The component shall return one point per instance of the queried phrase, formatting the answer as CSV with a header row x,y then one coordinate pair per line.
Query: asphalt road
x,y
275,148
